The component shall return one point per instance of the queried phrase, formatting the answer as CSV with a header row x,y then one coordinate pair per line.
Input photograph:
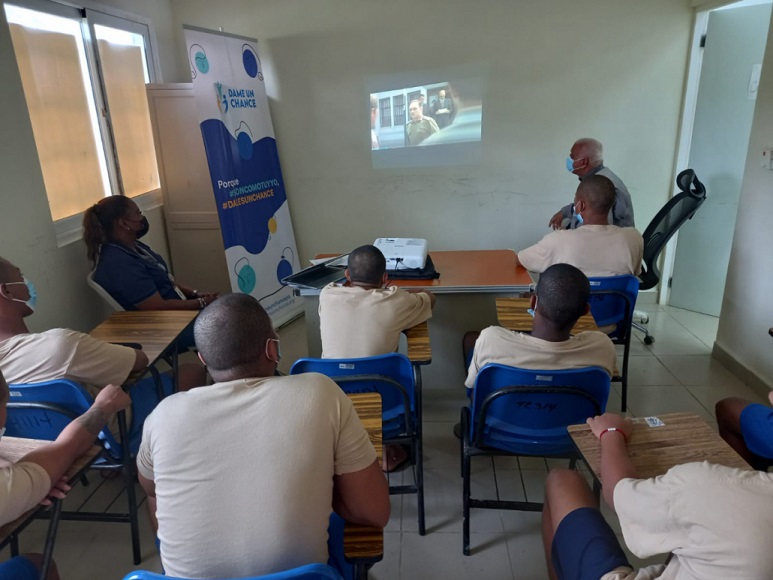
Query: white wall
x,y
747,308
611,69
26,232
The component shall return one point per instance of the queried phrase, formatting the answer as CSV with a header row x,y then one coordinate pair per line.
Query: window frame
x,y
89,14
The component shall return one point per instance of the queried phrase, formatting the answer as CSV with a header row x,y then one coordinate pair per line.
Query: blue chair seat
x,y
43,410
525,412
307,572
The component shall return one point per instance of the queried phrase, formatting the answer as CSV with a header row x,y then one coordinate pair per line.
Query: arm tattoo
x,y
93,420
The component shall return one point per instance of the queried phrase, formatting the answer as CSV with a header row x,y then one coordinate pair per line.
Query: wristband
x,y
608,429
202,303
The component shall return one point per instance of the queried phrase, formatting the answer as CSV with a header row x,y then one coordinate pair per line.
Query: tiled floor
x,y
676,373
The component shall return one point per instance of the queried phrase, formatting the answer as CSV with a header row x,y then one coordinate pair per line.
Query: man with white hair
x,y
586,158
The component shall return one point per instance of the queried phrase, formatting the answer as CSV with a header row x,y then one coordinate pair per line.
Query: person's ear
x,y
533,301
348,276
587,309
384,280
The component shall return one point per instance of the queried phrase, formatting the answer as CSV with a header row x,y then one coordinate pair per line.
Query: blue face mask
x,y
33,299
577,216
570,164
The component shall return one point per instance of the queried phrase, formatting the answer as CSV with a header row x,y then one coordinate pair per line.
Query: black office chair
x,y
663,226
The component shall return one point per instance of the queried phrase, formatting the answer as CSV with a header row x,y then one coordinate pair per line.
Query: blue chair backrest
x,y
612,300
390,375
43,410
527,412
307,572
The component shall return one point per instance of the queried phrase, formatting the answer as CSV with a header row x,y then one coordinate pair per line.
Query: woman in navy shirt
x,y
133,274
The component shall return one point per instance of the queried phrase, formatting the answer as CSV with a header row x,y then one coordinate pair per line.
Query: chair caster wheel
x,y
649,339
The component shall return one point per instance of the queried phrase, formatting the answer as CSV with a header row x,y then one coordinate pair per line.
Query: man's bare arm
x,y
140,361
613,432
57,457
362,497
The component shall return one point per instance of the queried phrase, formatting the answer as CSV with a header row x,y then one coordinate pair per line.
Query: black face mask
x,y
145,228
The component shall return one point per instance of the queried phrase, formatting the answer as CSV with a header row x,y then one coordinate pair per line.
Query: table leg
x,y
419,448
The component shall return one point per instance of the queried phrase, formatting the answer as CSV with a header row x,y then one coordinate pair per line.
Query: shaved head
x,y
598,192
367,265
7,271
231,333
562,295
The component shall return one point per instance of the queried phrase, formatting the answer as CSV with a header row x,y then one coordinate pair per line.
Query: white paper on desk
x,y
654,422
340,261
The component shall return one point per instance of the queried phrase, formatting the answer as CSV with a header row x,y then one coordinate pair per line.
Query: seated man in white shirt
x,y
38,475
34,357
560,299
366,318
715,521
246,472
598,248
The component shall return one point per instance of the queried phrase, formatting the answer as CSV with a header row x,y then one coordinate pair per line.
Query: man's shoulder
x,y
52,337
498,334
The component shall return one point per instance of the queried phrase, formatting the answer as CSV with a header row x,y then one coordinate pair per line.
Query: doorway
x,y
733,46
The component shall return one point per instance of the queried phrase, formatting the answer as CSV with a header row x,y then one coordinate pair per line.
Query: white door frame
x,y
685,137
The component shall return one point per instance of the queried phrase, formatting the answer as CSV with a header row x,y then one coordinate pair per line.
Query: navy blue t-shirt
x,y
131,277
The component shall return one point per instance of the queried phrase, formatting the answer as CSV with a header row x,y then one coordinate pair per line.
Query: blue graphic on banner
x,y
256,189
244,168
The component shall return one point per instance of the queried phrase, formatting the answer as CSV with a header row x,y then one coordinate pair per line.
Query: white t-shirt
x,y
355,322
598,251
65,354
717,521
244,473
516,349
22,486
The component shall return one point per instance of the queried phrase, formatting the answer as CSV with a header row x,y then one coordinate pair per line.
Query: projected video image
x,y
421,116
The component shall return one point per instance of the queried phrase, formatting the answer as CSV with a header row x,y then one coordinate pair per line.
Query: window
x,y
84,76
398,104
385,108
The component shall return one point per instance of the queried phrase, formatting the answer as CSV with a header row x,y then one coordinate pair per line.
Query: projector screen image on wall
x,y
429,123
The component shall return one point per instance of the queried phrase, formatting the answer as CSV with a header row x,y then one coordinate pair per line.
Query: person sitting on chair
x,y
247,471
714,520
39,474
34,357
560,299
747,428
597,248
133,274
366,317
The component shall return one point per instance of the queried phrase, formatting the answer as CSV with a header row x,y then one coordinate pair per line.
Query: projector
x,y
403,253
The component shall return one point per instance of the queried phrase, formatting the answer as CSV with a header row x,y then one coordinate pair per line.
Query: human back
x,y
365,318
264,460
245,486
597,248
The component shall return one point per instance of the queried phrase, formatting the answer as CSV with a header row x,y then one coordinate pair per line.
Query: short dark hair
x,y
7,270
562,294
366,265
599,192
230,333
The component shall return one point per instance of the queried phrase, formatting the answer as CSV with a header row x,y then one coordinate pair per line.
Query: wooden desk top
x,y
419,349
684,438
512,314
12,449
366,543
475,271
155,330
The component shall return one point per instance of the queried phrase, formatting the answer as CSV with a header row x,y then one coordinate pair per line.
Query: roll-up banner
x,y
230,93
